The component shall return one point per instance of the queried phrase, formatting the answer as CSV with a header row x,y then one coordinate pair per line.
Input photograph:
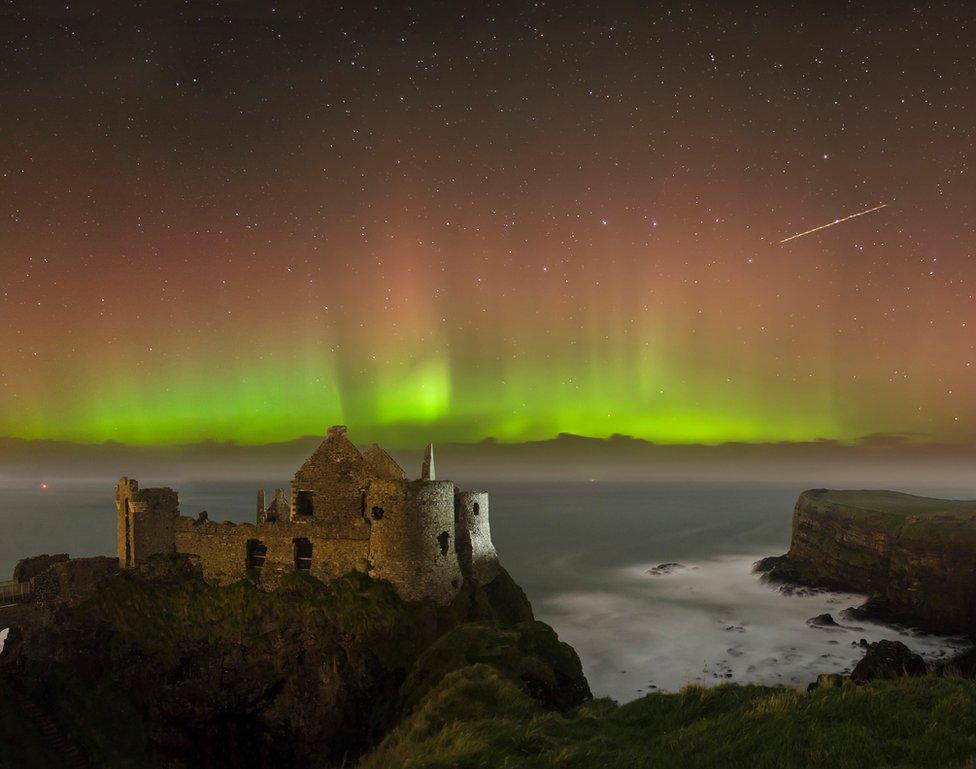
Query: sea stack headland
x,y
916,554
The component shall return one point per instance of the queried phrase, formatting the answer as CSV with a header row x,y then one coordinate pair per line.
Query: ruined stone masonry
x,y
348,511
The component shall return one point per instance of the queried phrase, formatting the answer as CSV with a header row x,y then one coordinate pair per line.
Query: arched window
x,y
303,554
444,540
476,509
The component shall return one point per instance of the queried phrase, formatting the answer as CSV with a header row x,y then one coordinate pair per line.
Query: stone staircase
x,y
72,757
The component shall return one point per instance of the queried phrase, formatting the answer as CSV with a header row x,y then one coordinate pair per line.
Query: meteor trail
x,y
831,224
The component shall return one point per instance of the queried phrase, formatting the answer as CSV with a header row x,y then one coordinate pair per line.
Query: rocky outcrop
x,y
28,568
917,555
156,667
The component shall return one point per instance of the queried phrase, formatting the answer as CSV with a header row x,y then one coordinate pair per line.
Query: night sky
x,y
453,221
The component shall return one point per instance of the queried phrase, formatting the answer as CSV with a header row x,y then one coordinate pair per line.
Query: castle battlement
x,y
347,511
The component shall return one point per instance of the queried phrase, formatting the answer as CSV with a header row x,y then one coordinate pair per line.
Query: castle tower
x,y
145,522
476,552
427,472
412,542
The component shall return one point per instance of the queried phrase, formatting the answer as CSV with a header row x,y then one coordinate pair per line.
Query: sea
x,y
651,583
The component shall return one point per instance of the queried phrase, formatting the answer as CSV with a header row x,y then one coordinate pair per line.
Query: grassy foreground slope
x,y
477,718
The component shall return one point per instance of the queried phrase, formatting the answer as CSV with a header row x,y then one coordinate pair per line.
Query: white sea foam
x,y
3,637
710,622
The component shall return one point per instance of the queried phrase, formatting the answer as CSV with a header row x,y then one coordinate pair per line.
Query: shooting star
x,y
831,224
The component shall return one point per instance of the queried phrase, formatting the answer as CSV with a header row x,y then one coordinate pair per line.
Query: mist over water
x,y
582,552
710,622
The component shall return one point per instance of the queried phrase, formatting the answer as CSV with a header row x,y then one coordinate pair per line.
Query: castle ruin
x,y
348,511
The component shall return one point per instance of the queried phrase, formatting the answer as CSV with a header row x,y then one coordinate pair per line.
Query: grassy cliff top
x,y
893,502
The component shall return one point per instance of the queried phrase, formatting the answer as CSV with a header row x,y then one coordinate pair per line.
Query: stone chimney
x,y
427,473
336,431
261,508
279,509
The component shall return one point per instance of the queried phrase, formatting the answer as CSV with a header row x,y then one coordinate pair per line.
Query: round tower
x,y
412,542
476,552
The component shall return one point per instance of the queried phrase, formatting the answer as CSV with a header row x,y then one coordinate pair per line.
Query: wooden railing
x,y
14,592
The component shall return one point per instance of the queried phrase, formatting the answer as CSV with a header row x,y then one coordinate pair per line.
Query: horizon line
x,y
875,440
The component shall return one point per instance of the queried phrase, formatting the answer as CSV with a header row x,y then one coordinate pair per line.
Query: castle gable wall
x,y
329,487
379,464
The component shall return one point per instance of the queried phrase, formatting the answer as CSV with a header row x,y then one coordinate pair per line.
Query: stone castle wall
x,y
222,549
412,543
476,552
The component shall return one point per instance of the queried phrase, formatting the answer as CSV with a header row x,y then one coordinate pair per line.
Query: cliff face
x,y
156,667
918,554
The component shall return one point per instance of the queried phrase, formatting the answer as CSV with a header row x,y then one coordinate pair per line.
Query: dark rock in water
x,y
665,568
887,660
735,629
875,609
764,565
827,681
824,621
827,622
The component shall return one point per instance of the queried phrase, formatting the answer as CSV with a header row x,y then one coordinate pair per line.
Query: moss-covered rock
x,y
528,654
159,668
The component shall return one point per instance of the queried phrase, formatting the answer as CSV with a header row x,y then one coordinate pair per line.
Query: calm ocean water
x,y
583,552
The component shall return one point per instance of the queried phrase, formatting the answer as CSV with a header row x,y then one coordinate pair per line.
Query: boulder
x,y
822,620
875,609
665,568
888,660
